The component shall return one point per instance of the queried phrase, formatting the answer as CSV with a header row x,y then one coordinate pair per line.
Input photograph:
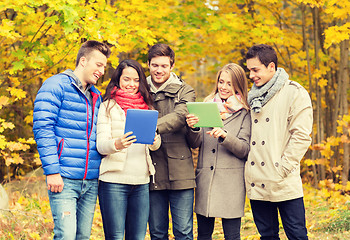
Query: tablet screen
x,y
142,123
207,112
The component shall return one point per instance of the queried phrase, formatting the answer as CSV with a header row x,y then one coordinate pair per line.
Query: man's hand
x,y
54,182
191,120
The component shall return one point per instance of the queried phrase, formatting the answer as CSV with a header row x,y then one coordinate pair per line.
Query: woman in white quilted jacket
x,y
126,166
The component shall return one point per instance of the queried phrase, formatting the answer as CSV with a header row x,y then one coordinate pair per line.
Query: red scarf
x,y
126,100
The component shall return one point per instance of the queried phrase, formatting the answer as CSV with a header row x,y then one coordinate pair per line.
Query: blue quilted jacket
x,y
64,126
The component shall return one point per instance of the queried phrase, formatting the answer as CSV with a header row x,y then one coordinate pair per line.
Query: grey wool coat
x,y
220,190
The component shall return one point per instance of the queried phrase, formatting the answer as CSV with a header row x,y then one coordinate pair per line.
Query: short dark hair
x,y
90,46
265,53
115,81
161,50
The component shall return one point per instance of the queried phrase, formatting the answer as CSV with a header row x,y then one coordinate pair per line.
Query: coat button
x,y
253,143
262,164
276,164
263,185
154,163
263,143
252,163
253,185
213,151
256,121
211,167
267,119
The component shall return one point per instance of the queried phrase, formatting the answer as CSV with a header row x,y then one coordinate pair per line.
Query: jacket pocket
x,y
285,168
180,163
112,163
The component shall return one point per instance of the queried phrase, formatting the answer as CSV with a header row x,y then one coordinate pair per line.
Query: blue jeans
x,y
73,209
292,215
124,207
231,227
181,208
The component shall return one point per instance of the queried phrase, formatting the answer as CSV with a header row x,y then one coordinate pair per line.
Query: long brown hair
x,y
115,81
238,81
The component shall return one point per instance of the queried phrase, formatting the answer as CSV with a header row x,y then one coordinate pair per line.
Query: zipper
x,y
59,147
94,100
88,137
87,123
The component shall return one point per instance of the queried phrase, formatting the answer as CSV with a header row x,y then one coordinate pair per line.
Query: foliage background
x,y
41,38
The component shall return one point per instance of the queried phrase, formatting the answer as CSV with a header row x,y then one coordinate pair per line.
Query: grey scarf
x,y
259,96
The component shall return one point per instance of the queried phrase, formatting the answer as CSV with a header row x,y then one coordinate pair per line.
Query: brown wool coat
x,y
173,160
220,190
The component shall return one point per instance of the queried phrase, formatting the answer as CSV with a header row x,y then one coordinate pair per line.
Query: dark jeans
x,y
124,207
292,215
231,227
181,208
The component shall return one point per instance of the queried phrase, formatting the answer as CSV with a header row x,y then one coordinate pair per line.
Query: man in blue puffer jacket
x,y
64,126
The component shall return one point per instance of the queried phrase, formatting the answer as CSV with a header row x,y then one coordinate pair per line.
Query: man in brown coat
x,y
174,180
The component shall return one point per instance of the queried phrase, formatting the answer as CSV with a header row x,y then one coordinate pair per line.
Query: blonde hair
x,y
238,81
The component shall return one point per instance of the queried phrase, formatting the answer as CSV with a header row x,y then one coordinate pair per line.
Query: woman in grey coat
x,y
223,151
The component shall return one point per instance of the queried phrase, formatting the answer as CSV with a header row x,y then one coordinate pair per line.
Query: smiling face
x,y
259,73
225,87
129,80
92,67
160,69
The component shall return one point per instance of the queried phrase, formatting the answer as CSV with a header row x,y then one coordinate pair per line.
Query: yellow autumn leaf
x,y
309,162
17,93
37,161
8,161
322,82
338,168
333,141
336,34
3,101
29,118
28,141
7,29
8,125
223,37
3,142
327,153
17,146
34,236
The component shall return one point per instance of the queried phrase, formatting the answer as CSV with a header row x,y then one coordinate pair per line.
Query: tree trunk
x,y
319,119
344,70
306,49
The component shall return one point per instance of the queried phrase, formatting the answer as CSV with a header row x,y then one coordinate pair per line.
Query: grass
x,y
327,215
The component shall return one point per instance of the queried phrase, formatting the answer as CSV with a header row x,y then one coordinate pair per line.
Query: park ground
x,y
29,216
